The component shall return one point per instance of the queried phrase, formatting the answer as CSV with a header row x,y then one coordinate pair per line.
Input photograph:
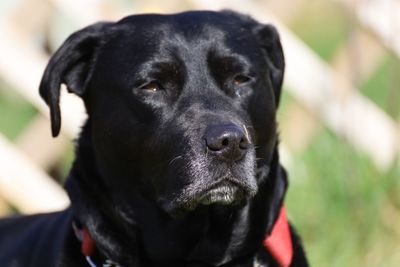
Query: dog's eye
x,y
151,86
241,79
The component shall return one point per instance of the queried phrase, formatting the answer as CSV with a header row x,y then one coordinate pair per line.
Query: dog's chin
x,y
224,193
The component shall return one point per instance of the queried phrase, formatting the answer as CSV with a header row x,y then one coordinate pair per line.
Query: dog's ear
x,y
268,39
275,186
71,65
278,196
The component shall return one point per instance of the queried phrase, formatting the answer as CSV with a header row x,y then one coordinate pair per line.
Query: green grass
x,y
66,162
383,86
15,112
339,201
347,211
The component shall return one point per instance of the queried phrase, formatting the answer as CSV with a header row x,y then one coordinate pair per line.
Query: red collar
x,y
279,242
88,246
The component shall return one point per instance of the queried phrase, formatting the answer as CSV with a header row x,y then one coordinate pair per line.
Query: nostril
x,y
225,142
244,143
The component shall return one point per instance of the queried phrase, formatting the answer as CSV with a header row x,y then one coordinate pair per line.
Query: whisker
x,y
174,159
246,132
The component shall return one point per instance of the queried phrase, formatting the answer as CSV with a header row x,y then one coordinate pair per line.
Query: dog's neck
x,y
212,235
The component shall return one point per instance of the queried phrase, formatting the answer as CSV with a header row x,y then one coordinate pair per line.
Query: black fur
x,y
157,89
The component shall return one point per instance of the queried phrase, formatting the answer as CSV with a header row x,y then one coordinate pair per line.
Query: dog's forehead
x,y
189,23
188,41
190,30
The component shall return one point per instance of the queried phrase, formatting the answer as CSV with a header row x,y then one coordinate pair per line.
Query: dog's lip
x,y
224,192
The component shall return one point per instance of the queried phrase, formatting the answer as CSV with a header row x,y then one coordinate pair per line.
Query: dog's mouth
x,y
207,183
223,193
226,191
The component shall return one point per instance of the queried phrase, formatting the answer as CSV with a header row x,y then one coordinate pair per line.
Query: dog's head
x,y
181,107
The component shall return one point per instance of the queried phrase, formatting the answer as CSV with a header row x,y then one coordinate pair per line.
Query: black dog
x,y
177,164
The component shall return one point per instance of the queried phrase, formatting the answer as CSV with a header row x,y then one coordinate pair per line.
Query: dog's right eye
x,y
152,86
241,79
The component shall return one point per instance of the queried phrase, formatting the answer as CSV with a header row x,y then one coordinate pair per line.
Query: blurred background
x,y
339,117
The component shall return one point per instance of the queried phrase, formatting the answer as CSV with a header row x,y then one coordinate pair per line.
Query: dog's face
x,y
181,107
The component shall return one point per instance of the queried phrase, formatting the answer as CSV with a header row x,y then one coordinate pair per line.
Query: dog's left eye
x,y
241,79
151,86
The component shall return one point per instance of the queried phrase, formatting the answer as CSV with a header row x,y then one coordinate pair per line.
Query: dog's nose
x,y
228,142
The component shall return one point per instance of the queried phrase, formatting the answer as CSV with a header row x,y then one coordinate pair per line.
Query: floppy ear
x,y
268,39
71,65
277,197
274,189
